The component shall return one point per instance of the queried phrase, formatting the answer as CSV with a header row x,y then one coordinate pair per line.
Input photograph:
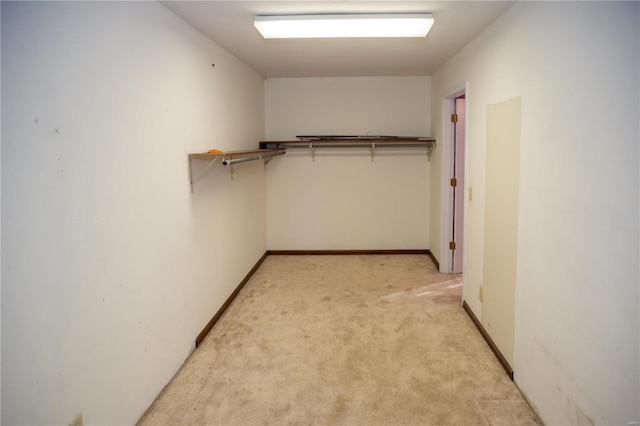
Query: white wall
x,y
343,200
110,265
576,67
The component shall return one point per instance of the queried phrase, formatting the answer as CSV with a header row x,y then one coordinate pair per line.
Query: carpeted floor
x,y
343,340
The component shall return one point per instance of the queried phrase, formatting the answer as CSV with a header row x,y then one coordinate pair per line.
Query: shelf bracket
x,y
231,170
429,151
373,150
266,157
204,171
313,152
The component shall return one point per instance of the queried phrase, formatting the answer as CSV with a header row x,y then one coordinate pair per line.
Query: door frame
x,y
446,197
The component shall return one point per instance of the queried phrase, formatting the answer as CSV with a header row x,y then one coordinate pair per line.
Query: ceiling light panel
x,y
344,26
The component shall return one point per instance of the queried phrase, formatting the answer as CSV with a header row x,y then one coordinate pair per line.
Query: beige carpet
x,y
344,340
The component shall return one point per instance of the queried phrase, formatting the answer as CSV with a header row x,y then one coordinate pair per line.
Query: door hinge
x,y
454,182
452,245
454,118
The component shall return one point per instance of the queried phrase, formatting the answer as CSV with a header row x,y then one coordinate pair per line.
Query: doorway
x,y
454,119
457,184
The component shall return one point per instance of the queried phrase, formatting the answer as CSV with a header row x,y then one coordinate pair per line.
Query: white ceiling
x,y
230,24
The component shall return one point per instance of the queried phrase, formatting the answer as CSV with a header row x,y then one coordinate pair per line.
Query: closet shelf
x,y
229,158
372,143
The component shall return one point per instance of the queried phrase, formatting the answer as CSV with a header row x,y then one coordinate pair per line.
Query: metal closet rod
x,y
306,144
245,159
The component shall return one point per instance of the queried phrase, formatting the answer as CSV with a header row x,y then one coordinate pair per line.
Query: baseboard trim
x,y
501,359
343,252
228,302
433,257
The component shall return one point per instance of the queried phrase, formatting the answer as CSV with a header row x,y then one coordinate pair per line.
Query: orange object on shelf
x,y
214,151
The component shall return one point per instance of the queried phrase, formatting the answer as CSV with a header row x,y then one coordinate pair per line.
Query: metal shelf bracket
x,y
202,173
266,157
313,152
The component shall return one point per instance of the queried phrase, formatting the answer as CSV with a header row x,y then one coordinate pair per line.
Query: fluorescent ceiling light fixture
x,y
347,25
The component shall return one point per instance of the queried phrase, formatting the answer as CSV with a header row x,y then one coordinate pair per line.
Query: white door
x,y
457,185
